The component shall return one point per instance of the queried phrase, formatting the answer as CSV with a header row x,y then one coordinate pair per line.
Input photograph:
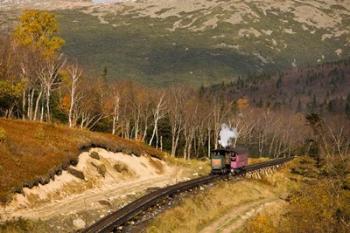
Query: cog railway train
x,y
228,160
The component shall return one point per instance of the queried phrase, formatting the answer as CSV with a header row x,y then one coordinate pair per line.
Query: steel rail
x,y
121,216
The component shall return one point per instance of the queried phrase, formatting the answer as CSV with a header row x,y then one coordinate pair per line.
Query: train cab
x,y
218,162
239,160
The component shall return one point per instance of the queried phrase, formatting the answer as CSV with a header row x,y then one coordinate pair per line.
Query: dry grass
x,y
213,203
34,152
318,202
124,169
22,225
257,160
207,206
194,166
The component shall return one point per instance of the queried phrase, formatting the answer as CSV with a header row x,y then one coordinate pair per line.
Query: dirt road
x,y
234,220
90,199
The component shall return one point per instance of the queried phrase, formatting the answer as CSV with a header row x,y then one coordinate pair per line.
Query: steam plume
x,y
227,134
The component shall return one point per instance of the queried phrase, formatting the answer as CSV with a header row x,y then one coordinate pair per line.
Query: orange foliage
x,y
242,103
65,103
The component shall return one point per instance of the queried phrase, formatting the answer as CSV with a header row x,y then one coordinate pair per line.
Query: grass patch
x,y
213,203
195,166
318,203
30,158
21,225
101,169
195,212
2,134
123,168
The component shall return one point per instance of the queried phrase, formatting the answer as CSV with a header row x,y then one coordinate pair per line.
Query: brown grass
x,y
215,202
22,225
318,202
34,152
195,212
257,160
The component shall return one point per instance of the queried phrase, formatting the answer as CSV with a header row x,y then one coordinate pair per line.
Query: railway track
x,y
121,216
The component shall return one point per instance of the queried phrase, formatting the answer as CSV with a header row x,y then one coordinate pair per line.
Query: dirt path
x,y
235,219
89,200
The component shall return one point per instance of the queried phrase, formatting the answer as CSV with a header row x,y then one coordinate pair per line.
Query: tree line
x,y
39,83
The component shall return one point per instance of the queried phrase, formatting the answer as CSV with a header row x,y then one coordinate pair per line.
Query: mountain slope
x,y
200,41
322,89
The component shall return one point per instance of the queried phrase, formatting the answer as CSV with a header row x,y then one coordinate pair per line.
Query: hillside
x,y
322,88
33,153
299,197
160,42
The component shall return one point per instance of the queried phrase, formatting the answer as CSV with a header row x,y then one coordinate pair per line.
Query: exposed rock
x,y
79,223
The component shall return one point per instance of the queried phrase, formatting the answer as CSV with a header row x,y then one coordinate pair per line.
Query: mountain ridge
x,y
201,41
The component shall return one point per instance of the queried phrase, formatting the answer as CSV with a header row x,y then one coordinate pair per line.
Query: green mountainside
x,y
201,42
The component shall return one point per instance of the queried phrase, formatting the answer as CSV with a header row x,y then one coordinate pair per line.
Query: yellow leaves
x,y
11,89
38,30
65,78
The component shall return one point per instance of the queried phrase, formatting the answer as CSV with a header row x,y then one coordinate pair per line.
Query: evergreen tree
x,y
299,106
105,73
279,82
347,106
347,109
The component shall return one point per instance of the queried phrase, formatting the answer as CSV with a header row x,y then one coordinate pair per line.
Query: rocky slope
x,y
200,41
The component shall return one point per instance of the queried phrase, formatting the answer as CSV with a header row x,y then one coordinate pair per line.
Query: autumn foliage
x,y
38,30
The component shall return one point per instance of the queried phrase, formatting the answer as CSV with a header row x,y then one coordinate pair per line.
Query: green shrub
x,y
17,189
28,184
2,134
94,155
44,180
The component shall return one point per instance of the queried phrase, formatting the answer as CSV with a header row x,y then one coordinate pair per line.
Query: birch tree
x,y
158,113
49,78
175,101
75,74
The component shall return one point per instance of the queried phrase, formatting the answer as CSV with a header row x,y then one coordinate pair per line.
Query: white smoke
x,y
227,134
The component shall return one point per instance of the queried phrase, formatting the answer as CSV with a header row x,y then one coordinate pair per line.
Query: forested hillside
x,y
322,89
39,83
162,42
